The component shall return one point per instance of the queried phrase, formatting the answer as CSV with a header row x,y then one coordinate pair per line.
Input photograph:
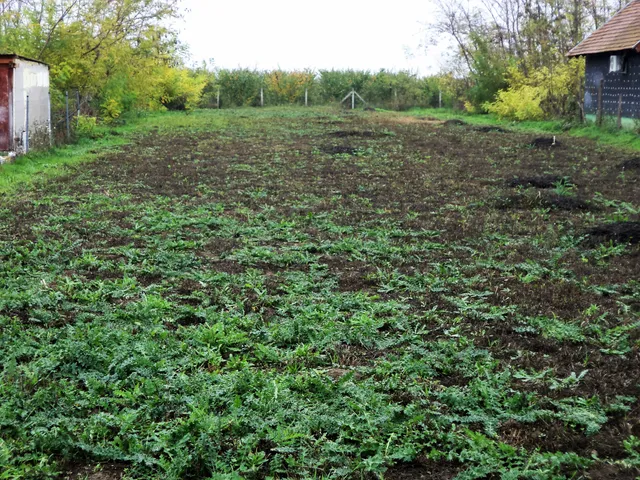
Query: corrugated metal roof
x,y
622,32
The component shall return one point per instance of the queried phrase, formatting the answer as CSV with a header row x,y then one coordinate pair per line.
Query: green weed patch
x,y
228,295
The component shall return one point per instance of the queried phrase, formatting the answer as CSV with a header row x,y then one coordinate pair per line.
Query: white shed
x,y
25,106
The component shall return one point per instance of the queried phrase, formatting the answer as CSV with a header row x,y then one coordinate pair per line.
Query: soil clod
x,y
540,181
490,129
559,202
339,150
633,164
619,232
353,133
545,142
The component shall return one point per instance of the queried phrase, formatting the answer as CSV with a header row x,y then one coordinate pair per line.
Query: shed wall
x,y
615,84
32,79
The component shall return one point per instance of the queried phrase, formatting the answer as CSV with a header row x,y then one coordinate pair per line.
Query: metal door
x,y
6,85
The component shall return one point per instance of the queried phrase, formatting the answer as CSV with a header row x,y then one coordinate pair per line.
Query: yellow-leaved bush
x,y
179,89
287,87
541,93
521,103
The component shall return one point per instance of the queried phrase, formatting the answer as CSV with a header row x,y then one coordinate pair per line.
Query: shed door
x,y
6,77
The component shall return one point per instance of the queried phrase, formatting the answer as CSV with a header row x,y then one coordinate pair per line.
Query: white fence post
x,y
262,97
306,97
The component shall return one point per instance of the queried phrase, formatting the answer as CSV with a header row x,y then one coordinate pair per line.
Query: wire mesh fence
x,y
65,116
36,124
52,119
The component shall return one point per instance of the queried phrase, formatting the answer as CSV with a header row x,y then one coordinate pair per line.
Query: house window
x,y
616,64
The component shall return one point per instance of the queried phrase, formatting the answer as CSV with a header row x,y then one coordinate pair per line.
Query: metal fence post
x,y
218,99
26,140
439,98
262,97
66,101
77,107
306,97
353,99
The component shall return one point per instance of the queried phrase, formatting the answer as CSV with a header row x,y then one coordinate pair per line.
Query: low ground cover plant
x,y
309,293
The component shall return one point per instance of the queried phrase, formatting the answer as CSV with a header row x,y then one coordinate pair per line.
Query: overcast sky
x,y
323,34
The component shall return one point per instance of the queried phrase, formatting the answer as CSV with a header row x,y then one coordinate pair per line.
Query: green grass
x,y
607,135
37,166
41,165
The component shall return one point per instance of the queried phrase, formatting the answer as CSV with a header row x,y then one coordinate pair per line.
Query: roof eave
x,y
21,57
571,53
619,12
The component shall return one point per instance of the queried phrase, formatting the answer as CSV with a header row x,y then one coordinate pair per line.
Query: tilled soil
x,y
398,211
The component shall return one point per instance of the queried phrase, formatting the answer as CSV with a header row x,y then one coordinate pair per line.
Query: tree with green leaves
x,y
119,53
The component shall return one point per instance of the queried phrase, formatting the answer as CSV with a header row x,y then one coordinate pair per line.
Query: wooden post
x,y
439,98
599,113
66,102
77,107
580,101
306,97
218,99
262,97
620,112
395,99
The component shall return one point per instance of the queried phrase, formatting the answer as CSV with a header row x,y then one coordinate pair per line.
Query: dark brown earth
x,y
619,233
106,471
541,181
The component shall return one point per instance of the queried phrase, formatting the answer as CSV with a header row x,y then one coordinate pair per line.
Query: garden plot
x,y
271,299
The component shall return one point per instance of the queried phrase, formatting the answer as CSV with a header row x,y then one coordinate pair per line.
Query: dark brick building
x,y
613,54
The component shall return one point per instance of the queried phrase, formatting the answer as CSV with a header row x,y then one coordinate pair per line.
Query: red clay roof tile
x,y
622,32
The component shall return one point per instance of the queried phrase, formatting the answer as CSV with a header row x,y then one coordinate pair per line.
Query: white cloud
x,y
320,35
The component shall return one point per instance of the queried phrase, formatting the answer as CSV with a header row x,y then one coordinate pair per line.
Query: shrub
x,y
488,73
542,93
240,87
87,127
287,87
521,103
179,89
335,84
111,110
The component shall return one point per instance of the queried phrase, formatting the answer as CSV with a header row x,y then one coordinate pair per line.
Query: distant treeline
x,y
241,87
